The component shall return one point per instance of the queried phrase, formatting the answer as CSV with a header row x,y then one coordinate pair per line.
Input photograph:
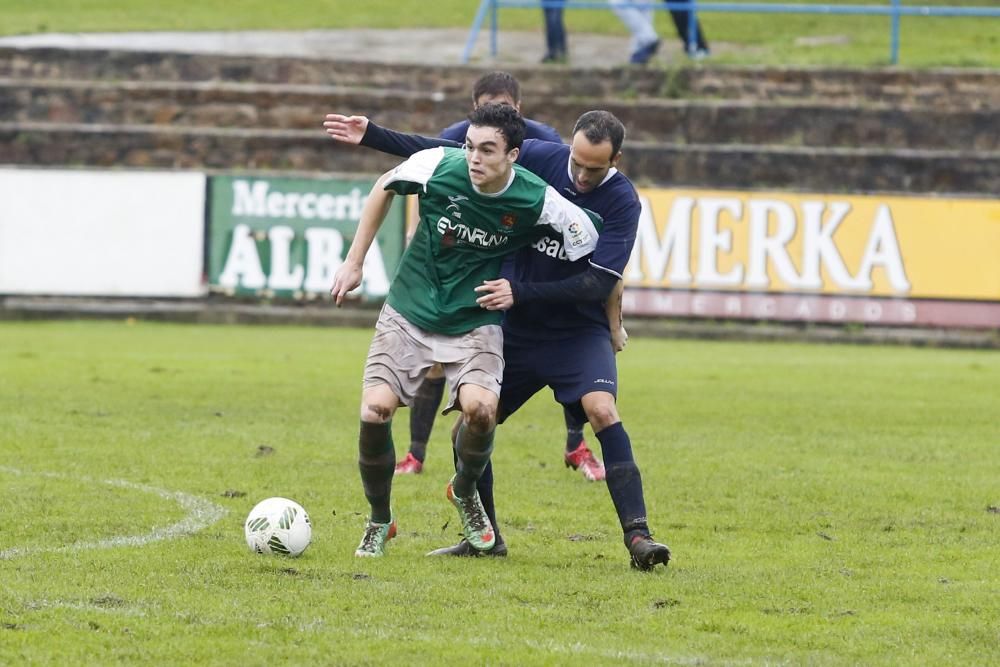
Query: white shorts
x,y
401,354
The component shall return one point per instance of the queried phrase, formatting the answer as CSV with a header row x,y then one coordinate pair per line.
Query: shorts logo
x,y
604,381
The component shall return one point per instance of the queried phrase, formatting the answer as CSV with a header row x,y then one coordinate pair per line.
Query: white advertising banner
x,y
102,233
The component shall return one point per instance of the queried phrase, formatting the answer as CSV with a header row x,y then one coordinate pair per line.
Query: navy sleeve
x,y
620,210
591,285
397,143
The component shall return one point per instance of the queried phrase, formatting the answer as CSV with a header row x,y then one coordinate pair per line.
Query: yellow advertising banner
x,y
821,244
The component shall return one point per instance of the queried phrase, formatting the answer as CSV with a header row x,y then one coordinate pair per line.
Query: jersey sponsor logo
x,y
453,208
462,233
551,247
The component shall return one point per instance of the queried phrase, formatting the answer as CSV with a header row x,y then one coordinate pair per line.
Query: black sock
x,y
422,414
624,481
377,461
473,451
485,487
574,430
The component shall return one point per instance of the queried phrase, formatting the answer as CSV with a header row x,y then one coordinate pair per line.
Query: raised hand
x,y
345,129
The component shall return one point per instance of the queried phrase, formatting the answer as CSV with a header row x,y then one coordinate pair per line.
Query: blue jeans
x,y
681,18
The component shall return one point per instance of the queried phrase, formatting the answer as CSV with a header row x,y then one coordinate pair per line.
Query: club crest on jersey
x,y
508,220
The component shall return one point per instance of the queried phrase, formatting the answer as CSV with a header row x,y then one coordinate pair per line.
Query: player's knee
x,y
375,412
480,417
602,414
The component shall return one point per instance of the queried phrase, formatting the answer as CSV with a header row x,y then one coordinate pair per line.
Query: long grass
x,y
738,38
825,505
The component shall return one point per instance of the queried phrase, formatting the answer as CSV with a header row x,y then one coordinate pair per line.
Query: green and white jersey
x,y
463,235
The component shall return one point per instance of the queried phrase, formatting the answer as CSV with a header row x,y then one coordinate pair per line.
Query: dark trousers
x,y
555,32
681,18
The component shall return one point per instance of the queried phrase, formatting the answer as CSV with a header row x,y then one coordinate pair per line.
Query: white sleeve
x,y
578,230
418,168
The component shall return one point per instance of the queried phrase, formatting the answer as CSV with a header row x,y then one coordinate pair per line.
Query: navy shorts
x,y
571,368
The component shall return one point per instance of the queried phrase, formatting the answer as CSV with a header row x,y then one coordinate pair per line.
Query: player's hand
x,y
346,129
495,294
347,278
619,339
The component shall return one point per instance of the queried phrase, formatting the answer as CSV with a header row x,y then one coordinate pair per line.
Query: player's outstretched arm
x,y
373,213
362,131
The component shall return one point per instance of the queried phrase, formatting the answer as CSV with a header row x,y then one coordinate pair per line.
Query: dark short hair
x,y
600,126
495,84
504,118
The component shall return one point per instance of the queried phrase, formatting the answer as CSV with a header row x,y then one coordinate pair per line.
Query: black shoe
x,y
644,53
556,58
646,553
463,548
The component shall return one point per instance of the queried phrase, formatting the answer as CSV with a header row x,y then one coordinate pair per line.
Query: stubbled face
x,y
496,99
589,163
489,160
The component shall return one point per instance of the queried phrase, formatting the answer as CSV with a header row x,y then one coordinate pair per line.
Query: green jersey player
x,y
476,206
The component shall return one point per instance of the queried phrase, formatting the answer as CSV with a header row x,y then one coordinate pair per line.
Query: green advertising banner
x,y
286,237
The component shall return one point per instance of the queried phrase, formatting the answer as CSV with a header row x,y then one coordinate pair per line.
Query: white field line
x,y
201,514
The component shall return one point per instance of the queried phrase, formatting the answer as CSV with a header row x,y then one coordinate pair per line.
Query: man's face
x,y
489,160
503,98
589,163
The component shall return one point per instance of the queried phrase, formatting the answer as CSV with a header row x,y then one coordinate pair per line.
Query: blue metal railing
x,y
895,10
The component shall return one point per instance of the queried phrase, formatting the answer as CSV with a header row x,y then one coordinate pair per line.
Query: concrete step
x,y
943,88
283,106
652,164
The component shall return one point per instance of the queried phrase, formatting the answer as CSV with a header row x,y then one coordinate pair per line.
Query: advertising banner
x,y
817,257
82,232
286,237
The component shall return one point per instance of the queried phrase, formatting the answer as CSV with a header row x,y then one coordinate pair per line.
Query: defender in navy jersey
x,y
564,314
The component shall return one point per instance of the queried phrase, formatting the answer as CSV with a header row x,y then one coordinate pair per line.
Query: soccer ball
x,y
278,526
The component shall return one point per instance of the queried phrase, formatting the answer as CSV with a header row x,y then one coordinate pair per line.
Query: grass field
x,y
825,505
777,39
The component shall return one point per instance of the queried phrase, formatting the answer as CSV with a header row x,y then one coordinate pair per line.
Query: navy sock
x,y
574,430
422,414
485,488
624,481
377,462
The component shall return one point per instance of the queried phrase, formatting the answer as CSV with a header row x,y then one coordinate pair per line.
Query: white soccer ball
x,y
278,526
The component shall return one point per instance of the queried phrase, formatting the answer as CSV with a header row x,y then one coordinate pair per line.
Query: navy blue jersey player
x,y
556,332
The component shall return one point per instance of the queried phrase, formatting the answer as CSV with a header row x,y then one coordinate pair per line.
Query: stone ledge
x,y
939,88
270,107
647,164
214,310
